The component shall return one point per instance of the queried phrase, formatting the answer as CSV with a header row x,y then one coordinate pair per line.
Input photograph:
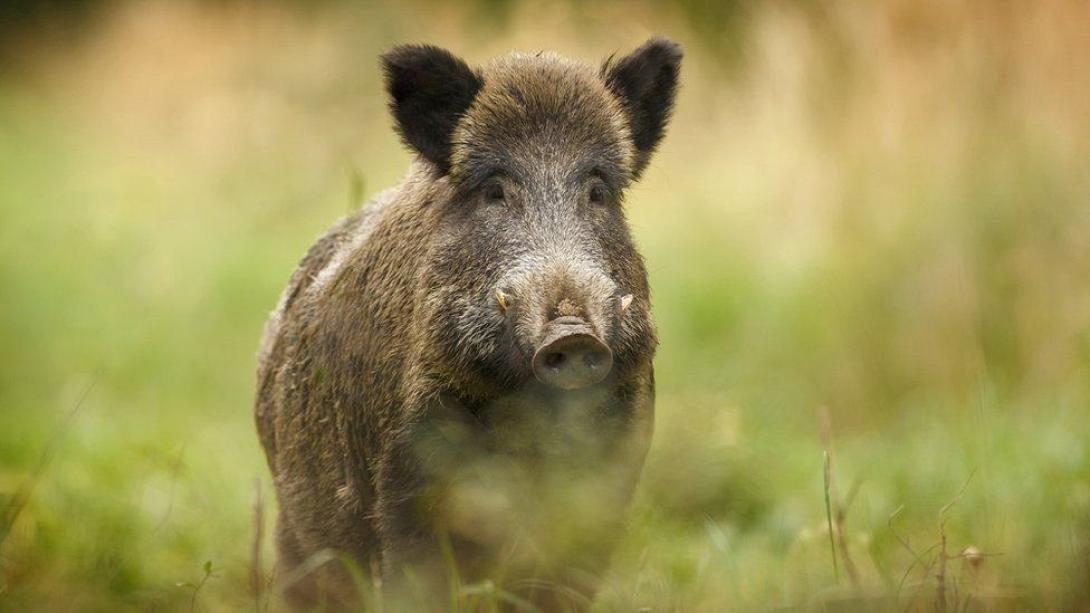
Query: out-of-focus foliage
x,y
878,208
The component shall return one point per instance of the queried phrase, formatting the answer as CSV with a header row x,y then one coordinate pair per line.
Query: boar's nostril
x,y
554,360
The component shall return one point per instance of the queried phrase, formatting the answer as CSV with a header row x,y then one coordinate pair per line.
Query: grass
x,y
841,216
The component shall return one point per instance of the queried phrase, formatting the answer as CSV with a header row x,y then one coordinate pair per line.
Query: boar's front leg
x,y
419,553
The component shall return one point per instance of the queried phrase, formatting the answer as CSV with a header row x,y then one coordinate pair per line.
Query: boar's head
x,y
533,277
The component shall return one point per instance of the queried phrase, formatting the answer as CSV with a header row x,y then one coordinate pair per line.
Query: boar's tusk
x,y
626,300
501,299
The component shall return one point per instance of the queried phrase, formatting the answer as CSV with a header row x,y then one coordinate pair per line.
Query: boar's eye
x,y
597,194
493,193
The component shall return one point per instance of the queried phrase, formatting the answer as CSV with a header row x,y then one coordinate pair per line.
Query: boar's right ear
x,y
429,91
646,81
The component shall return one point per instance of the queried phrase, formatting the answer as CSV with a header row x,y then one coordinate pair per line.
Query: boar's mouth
x,y
570,356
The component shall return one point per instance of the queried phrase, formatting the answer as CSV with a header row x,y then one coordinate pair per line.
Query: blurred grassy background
x,y
879,209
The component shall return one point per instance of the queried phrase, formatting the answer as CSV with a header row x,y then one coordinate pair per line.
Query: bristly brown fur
x,y
392,381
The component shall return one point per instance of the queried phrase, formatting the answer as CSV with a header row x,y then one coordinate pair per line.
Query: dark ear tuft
x,y
429,90
646,81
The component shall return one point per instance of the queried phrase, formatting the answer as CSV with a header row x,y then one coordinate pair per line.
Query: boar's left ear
x,y
429,91
646,81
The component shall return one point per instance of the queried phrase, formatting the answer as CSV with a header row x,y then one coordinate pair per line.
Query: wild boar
x,y
457,383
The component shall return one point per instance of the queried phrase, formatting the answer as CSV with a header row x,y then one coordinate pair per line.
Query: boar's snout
x,y
571,356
